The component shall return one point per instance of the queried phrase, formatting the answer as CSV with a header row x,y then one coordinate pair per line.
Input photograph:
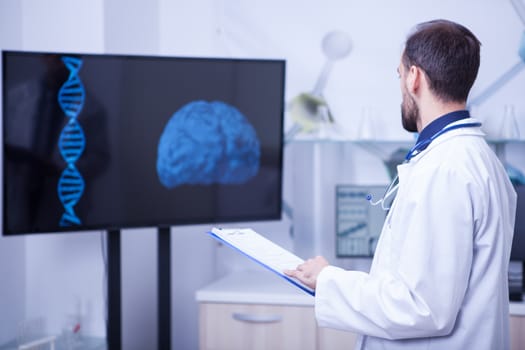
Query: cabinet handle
x,y
250,318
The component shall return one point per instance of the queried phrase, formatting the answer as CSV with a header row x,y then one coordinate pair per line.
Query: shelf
x,y
407,142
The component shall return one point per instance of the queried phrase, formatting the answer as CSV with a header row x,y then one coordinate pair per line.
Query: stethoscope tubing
x,y
418,147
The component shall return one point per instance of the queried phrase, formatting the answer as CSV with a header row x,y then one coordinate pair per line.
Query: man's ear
x,y
413,81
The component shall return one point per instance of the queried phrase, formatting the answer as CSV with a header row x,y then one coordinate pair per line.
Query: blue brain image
x,y
205,143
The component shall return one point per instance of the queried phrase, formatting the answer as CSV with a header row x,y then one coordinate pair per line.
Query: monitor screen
x,y
112,141
518,242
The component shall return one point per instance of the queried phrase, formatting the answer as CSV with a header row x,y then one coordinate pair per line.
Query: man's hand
x,y
308,271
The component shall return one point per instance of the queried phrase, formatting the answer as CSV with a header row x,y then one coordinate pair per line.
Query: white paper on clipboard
x,y
261,250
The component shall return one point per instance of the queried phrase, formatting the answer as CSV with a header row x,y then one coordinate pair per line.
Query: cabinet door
x,y
517,332
242,326
333,339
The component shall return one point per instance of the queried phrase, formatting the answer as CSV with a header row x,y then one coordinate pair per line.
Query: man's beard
x,y
409,113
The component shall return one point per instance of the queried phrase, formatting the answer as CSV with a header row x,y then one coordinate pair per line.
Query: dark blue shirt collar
x,y
440,123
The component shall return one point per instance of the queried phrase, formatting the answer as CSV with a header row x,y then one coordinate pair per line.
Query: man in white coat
x,y
439,275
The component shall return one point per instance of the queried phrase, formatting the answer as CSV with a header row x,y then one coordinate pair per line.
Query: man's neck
x,y
435,109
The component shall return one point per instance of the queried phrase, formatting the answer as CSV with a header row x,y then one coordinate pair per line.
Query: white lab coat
x,y
439,275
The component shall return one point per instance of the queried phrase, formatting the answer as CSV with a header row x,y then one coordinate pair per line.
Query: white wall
x,y
63,26
12,287
62,271
64,279
139,288
367,77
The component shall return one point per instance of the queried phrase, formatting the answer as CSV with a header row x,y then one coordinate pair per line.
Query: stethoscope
x,y
414,151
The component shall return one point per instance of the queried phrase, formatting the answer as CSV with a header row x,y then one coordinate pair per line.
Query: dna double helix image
x,y
71,142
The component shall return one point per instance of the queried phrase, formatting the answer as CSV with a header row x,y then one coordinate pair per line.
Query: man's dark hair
x,y
448,53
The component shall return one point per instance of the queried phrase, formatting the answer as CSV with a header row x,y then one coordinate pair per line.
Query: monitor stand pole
x,y
114,325
164,288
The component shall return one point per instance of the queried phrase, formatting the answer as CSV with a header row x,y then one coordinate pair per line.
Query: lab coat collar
x,y
475,131
442,122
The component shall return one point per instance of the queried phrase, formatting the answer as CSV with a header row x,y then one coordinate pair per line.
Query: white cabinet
x,y
249,326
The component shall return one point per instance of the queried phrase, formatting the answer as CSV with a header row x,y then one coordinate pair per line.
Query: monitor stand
x,y
164,287
114,317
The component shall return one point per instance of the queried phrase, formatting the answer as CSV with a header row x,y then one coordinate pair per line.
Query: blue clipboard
x,y
279,273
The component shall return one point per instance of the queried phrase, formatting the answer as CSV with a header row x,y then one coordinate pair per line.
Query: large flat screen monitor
x,y
112,141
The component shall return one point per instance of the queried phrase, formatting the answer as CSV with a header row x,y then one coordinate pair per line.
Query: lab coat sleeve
x,y
421,291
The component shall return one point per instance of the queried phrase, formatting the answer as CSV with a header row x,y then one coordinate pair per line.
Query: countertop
x,y
254,287
266,287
